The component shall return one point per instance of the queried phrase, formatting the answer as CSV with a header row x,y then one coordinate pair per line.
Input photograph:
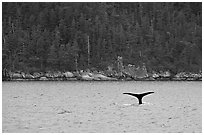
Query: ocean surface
x,y
101,107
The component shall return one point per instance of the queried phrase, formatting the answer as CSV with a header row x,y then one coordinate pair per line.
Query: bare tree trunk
x,y
76,64
88,53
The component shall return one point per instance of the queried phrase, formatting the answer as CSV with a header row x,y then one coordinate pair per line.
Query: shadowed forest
x,y
72,36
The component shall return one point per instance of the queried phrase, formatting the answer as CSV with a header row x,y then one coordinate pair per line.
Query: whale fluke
x,y
139,96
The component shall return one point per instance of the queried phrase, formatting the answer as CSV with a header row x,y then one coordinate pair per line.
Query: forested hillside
x,y
59,36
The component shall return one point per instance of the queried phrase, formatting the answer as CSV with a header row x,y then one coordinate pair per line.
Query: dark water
x,y
101,107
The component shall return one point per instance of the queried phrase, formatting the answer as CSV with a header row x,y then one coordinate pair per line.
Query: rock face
x,y
43,78
68,74
87,77
17,75
101,77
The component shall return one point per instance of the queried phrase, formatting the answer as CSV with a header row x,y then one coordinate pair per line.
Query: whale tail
x,y
139,96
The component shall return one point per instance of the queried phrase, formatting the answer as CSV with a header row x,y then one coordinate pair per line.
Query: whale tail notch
x,y
139,96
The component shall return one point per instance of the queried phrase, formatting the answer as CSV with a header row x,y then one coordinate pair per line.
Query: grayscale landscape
x,y
102,67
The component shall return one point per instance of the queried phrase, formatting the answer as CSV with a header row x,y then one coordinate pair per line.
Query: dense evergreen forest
x,y
70,36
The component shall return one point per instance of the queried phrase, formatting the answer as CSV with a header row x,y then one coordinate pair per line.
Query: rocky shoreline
x,y
99,76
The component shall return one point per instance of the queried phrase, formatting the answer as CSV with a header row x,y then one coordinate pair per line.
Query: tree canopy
x,y
53,36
